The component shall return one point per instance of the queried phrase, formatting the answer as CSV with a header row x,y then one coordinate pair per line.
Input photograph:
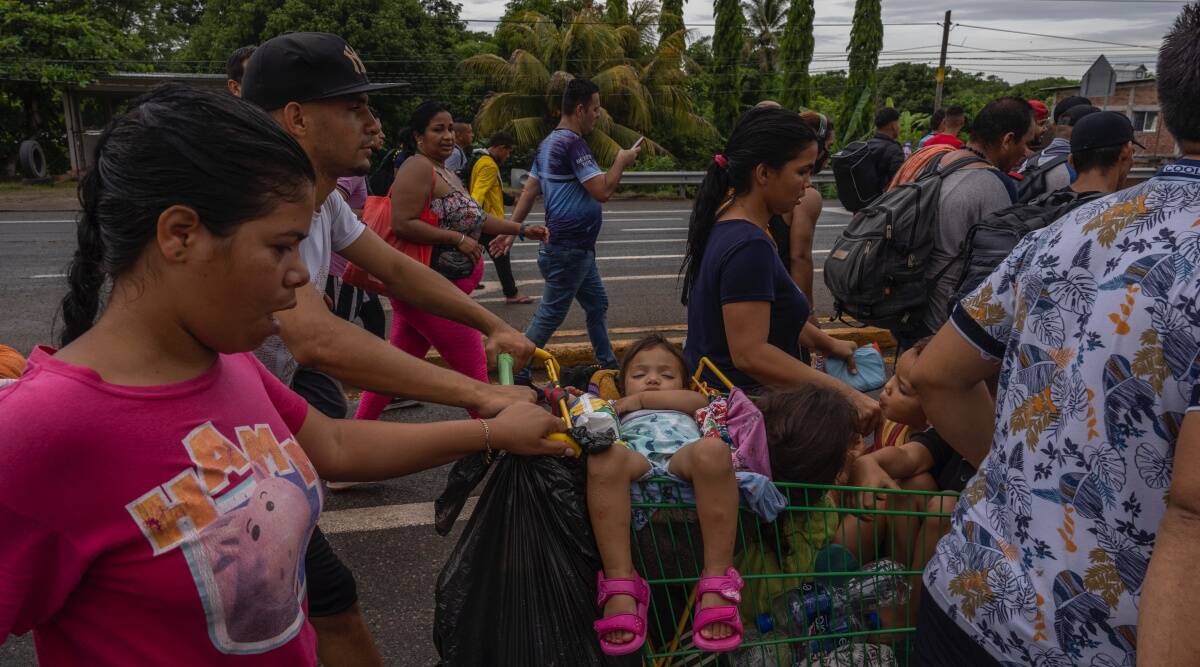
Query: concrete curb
x,y
580,354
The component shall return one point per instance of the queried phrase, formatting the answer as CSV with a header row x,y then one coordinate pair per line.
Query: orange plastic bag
x,y
377,214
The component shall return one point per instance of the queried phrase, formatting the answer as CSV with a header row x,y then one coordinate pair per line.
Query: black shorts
x,y
941,643
331,586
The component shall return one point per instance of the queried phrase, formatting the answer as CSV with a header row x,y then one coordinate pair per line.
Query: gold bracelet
x,y
487,439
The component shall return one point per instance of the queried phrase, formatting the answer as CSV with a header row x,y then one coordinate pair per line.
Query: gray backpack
x,y
876,269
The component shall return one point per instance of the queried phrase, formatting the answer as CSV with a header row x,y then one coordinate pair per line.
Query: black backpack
x,y
464,174
1033,182
876,269
380,180
855,176
991,240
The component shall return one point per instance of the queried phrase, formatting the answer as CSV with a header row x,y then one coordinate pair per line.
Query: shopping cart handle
x,y
504,367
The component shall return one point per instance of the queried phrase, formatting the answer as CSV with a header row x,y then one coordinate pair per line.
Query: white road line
x,y
385,517
618,258
534,243
29,222
43,276
493,286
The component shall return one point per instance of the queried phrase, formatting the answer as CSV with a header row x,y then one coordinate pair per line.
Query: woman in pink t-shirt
x,y
157,486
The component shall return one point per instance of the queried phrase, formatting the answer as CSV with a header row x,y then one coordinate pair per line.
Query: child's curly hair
x,y
810,430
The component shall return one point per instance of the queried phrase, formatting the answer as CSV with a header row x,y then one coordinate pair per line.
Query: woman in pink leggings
x,y
430,206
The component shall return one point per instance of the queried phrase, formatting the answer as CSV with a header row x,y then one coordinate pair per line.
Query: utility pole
x,y
941,73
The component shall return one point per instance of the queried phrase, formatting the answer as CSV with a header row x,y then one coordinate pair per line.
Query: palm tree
x,y
866,40
795,55
765,21
527,87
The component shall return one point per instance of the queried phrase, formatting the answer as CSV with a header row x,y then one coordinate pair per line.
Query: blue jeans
x,y
571,274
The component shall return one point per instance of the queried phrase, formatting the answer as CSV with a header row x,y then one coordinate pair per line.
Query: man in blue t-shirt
x,y
565,173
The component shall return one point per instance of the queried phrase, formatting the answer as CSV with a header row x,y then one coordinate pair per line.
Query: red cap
x,y
1039,110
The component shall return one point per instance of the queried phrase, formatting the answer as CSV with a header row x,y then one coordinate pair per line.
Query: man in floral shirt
x,y
1079,518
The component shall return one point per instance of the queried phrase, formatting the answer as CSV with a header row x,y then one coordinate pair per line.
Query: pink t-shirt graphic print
x,y
178,528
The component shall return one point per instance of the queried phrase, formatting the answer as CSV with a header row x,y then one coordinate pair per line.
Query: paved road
x,y
383,530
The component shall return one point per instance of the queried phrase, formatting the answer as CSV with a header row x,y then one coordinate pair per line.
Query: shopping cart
x,y
836,537
856,630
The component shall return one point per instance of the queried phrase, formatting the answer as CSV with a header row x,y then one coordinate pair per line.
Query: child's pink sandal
x,y
639,590
728,587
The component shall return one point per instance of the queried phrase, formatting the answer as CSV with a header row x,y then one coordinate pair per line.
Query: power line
x,y
1036,34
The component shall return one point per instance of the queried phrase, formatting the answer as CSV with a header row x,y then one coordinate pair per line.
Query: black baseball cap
x,y
303,67
1065,105
1102,130
1076,113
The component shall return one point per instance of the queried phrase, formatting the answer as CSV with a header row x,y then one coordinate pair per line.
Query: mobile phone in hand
x,y
637,143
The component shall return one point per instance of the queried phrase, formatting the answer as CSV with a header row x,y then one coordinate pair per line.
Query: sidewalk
x,y
16,197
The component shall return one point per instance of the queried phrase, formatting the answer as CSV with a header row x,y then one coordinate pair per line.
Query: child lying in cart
x,y
664,437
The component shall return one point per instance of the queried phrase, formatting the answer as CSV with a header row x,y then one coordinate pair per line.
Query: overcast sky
x,y
1138,23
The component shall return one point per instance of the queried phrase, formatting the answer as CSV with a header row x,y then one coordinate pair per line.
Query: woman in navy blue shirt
x,y
744,311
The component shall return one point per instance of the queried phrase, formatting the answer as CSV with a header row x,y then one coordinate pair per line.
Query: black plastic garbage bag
x,y
520,586
466,474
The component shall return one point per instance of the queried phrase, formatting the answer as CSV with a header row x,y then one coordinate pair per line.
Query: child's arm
x,y
682,400
883,468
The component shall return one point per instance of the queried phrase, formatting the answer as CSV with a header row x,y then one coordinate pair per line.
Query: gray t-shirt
x,y
334,226
967,196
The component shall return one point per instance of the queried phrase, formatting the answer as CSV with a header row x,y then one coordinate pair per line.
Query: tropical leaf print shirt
x,y
1097,324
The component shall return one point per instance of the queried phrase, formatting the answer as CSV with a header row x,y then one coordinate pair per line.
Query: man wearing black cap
x,y
1047,170
315,86
1102,151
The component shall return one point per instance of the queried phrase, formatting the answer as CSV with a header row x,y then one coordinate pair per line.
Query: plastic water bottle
x,y
877,585
907,149
839,624
793,611
774,655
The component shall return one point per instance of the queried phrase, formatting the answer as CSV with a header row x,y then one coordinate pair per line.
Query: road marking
x,y
29,222
534,243
385,517
43,276
619,258
609,279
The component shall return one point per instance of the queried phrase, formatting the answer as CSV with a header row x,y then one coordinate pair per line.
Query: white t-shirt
x,y
334,227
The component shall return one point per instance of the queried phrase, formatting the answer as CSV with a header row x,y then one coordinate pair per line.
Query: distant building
x,y
1131,89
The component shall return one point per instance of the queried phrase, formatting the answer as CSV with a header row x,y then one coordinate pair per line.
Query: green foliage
x,y
640,96
866,40
728,42
795,55
43,47
765,19
617,12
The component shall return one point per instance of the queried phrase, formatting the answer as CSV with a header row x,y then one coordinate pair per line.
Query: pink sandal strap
x,y
620,623
728,586
635,587
727,614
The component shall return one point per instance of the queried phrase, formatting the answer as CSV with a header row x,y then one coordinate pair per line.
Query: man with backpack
x,y
1102,155
886,152
863,169
896,263
1047,170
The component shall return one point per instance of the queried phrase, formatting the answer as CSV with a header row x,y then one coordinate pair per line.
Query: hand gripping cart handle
x,y
504,365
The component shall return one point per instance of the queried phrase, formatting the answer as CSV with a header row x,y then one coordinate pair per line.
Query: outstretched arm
x,y
681,400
